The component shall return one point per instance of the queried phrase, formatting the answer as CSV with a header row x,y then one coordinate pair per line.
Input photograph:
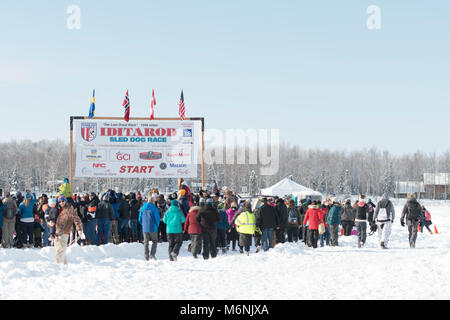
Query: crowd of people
x,y
213,222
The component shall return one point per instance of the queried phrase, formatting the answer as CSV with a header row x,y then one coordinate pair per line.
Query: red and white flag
x,y
152,106
181,109
126,105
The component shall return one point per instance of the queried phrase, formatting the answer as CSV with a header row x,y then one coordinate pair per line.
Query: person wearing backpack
x,y
333,221
384,217
293,222
412,212
9,221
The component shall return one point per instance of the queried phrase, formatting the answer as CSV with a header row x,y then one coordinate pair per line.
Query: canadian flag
x,y
152,106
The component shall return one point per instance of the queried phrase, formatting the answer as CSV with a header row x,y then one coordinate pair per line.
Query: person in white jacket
x,y
384,217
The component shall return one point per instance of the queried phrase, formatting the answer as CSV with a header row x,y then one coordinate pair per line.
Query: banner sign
x,y
137,149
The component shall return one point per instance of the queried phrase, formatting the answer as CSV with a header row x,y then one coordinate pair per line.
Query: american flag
x,y
181,104
126,105
153,104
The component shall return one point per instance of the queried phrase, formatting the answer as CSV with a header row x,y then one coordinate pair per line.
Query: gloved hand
x,y
82,236
402,223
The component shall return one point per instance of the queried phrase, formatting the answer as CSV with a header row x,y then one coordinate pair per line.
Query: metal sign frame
x,y
137,118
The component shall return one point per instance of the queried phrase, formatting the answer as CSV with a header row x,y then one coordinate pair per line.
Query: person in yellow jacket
x,y
246,227
65,189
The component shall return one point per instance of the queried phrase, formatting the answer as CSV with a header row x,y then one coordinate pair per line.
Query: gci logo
x,y
123,156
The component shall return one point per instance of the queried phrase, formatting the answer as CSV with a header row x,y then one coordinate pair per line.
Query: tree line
x,y
43,164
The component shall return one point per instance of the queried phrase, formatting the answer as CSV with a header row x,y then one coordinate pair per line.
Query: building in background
x,y
403,188
437,185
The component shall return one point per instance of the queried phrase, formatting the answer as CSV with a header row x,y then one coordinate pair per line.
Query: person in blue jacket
x,y
333,221
222,227
114,223
149,219
26,216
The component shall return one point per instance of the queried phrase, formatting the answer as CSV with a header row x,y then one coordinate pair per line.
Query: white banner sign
x,y
137,149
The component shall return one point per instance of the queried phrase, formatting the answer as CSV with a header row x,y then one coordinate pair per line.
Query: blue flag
x,y
92,107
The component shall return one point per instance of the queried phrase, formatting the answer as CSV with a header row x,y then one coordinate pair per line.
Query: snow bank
x,y
290,271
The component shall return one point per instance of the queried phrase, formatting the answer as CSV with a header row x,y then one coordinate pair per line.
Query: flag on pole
x,y
181,110
92,107
126,105
152,105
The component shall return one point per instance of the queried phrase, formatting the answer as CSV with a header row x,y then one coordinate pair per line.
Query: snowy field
x,y
290,271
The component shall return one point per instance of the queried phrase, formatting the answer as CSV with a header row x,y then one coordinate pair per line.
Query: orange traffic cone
x,y
435,230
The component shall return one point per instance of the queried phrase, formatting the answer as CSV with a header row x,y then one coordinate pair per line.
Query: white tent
x,y
283,188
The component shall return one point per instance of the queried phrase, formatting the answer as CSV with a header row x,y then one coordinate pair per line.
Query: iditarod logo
x,y
88,131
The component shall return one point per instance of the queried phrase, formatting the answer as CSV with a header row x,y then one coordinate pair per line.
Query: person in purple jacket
x,y
232,235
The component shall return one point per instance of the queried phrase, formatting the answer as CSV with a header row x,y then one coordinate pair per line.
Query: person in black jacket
x,y
124,218
282,213
162,206
207,217
104,215
267,221
361,210
91,219
134,215
412,211
82,210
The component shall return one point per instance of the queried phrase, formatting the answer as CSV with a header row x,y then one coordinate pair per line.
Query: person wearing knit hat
x,y
62,198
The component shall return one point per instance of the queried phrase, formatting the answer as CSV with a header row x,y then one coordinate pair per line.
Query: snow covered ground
x,y
290,271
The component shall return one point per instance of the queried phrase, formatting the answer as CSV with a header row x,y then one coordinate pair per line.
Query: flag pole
x,y
71,153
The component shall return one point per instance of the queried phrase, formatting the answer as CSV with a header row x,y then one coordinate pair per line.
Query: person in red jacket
x,y
314,217
193,228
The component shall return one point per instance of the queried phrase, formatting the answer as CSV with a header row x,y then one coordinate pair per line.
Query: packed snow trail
x,y
290,271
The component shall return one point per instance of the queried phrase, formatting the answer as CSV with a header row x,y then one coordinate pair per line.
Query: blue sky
x,y
309,68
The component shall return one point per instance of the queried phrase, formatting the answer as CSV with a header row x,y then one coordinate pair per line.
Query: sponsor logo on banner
x,y
178,154
150,155
187,133
163,166
178,165
93,154
85,171
182,172
120,155
99,165
88,131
